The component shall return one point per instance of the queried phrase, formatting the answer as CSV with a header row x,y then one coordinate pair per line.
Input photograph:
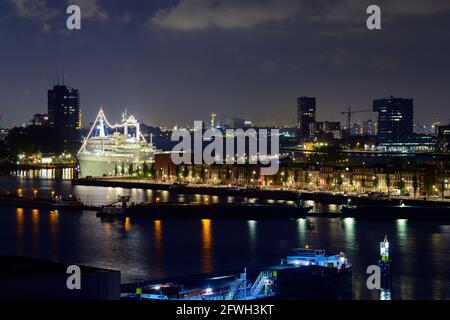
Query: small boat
x,y
311,257
67,202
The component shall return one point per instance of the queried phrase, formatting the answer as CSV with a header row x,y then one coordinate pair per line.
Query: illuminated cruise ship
x,y
112,149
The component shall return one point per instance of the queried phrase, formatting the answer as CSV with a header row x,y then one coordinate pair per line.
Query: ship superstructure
x,y
114,149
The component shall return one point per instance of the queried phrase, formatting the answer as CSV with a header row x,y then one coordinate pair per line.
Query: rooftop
x,y
14,266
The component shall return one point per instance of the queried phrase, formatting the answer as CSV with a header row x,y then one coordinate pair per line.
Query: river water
x,y
166,248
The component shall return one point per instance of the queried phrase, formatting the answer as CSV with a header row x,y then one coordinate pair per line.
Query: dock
x,y
57,203
190,189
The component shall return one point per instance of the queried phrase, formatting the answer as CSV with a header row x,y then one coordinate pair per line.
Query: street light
x,y
444,187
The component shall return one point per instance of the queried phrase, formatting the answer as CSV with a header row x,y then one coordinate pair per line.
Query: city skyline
x,y
370,116
167,62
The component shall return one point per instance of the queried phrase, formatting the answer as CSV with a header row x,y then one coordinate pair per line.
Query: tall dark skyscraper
x,y
395,120
306,118
65,114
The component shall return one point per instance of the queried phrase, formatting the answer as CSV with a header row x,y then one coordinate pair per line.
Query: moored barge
x,y
207,210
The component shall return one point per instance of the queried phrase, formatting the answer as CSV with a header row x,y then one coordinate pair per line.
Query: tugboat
x,y
67,202
311,257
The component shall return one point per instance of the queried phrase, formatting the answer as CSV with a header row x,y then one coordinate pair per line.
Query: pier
x,y
273,194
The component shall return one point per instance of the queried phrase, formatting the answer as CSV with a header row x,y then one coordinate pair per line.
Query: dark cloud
x,y
270,67
384,63
90,9
201,14
353,11
338,57
35,10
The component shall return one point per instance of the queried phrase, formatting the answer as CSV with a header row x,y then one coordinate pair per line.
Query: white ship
x,y
113,149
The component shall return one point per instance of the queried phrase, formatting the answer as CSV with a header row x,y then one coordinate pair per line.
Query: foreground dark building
x,y
34,279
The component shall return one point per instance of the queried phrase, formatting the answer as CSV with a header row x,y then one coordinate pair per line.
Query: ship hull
x,y
97,167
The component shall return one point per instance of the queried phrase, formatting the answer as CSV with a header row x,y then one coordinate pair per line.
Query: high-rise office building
x,y
306,118
64,113
395,120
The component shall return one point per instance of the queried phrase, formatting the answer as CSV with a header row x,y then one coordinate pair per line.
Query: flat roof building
x,y
23,278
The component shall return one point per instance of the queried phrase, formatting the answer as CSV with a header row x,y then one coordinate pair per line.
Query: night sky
x,y
172,62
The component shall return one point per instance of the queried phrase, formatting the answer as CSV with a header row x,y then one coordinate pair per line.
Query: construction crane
x,y
349,114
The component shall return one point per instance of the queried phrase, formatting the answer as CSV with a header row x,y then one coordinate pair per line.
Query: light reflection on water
x,y
165,248
207,245
56,173
159,250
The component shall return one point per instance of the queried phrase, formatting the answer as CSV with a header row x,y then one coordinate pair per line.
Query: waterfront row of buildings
x,y
418,180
